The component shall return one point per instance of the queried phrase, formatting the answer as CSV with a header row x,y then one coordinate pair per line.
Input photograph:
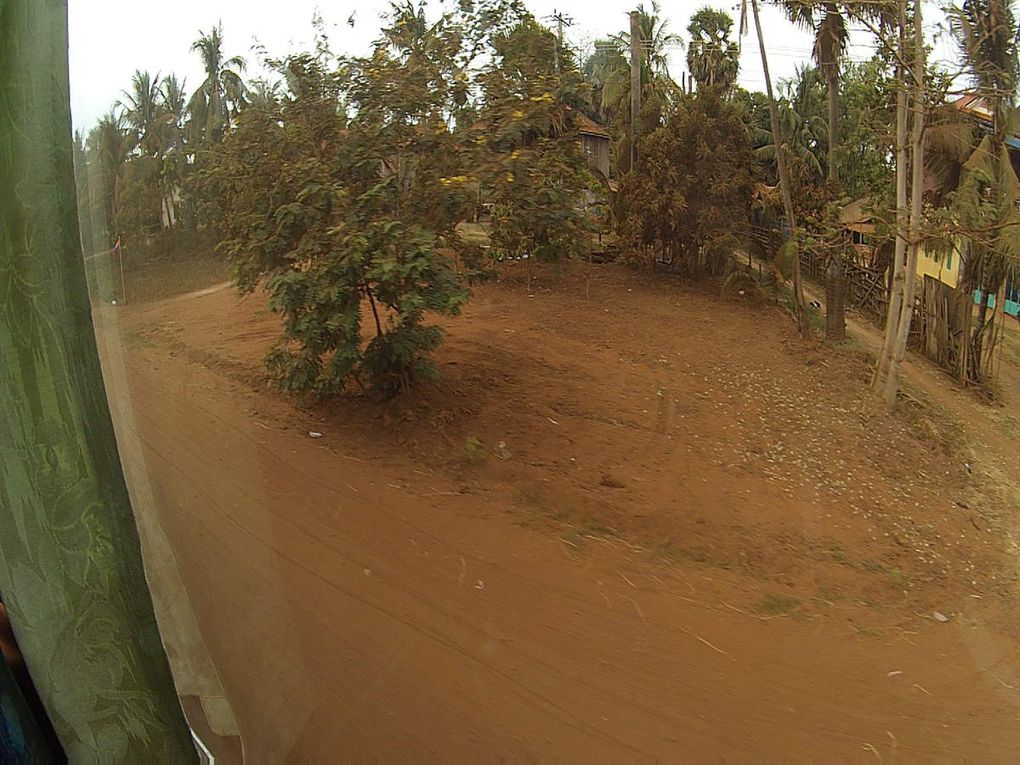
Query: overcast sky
x,y
112,38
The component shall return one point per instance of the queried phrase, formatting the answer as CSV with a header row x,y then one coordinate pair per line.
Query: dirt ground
x,y
641,524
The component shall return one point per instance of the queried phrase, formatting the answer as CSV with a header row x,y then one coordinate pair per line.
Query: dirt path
x,y
990,429
664,567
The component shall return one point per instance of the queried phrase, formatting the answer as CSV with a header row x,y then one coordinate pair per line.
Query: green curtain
x,y
70,568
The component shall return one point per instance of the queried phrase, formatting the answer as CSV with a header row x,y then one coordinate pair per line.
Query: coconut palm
x,y
986,33
141,111
174,161
656,39
217,100
713,59
172,99
263,92
109,146
831,36
607,70
801,126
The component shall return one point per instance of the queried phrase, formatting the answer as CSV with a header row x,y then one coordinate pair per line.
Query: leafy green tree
x,y
342,217
535,169
713,59
864,153
138,215
689,201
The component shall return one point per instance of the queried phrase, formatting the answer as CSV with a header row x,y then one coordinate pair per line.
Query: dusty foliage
x,y
690,214
342,218
528,141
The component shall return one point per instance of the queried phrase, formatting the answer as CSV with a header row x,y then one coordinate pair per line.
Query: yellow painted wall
x,y
945,268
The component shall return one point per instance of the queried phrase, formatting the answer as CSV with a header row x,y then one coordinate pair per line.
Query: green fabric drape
x,y
70,567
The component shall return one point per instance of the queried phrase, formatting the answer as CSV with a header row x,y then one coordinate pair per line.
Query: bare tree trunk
x,y
635,84
899,264
977,341
891,386
784,175
988,354
835,299
963,304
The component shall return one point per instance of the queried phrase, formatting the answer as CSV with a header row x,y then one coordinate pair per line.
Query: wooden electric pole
x,y
562,21
635,83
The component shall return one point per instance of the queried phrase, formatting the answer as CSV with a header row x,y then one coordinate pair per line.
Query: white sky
x,y
109,39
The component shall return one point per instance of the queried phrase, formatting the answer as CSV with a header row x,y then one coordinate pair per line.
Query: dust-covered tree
x,y
342,217
688,202
535,172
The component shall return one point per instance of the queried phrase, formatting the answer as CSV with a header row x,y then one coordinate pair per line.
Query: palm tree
x,y
986,33
109,146
173,100
607,70
262,92
217,100
656,39
712,58
828,50
800,127
173,105
141,111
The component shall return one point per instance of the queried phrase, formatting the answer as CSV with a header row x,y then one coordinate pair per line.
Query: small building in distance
x,y
942,265
595,143
860,231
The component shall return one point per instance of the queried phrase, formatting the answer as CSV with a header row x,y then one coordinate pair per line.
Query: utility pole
x,y
635,83
561,20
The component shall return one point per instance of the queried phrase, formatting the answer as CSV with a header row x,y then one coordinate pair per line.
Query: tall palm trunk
x,y
800,308
72,575
832,83
835,274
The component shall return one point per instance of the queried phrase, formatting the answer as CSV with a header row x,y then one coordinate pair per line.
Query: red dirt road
x,y
610,591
